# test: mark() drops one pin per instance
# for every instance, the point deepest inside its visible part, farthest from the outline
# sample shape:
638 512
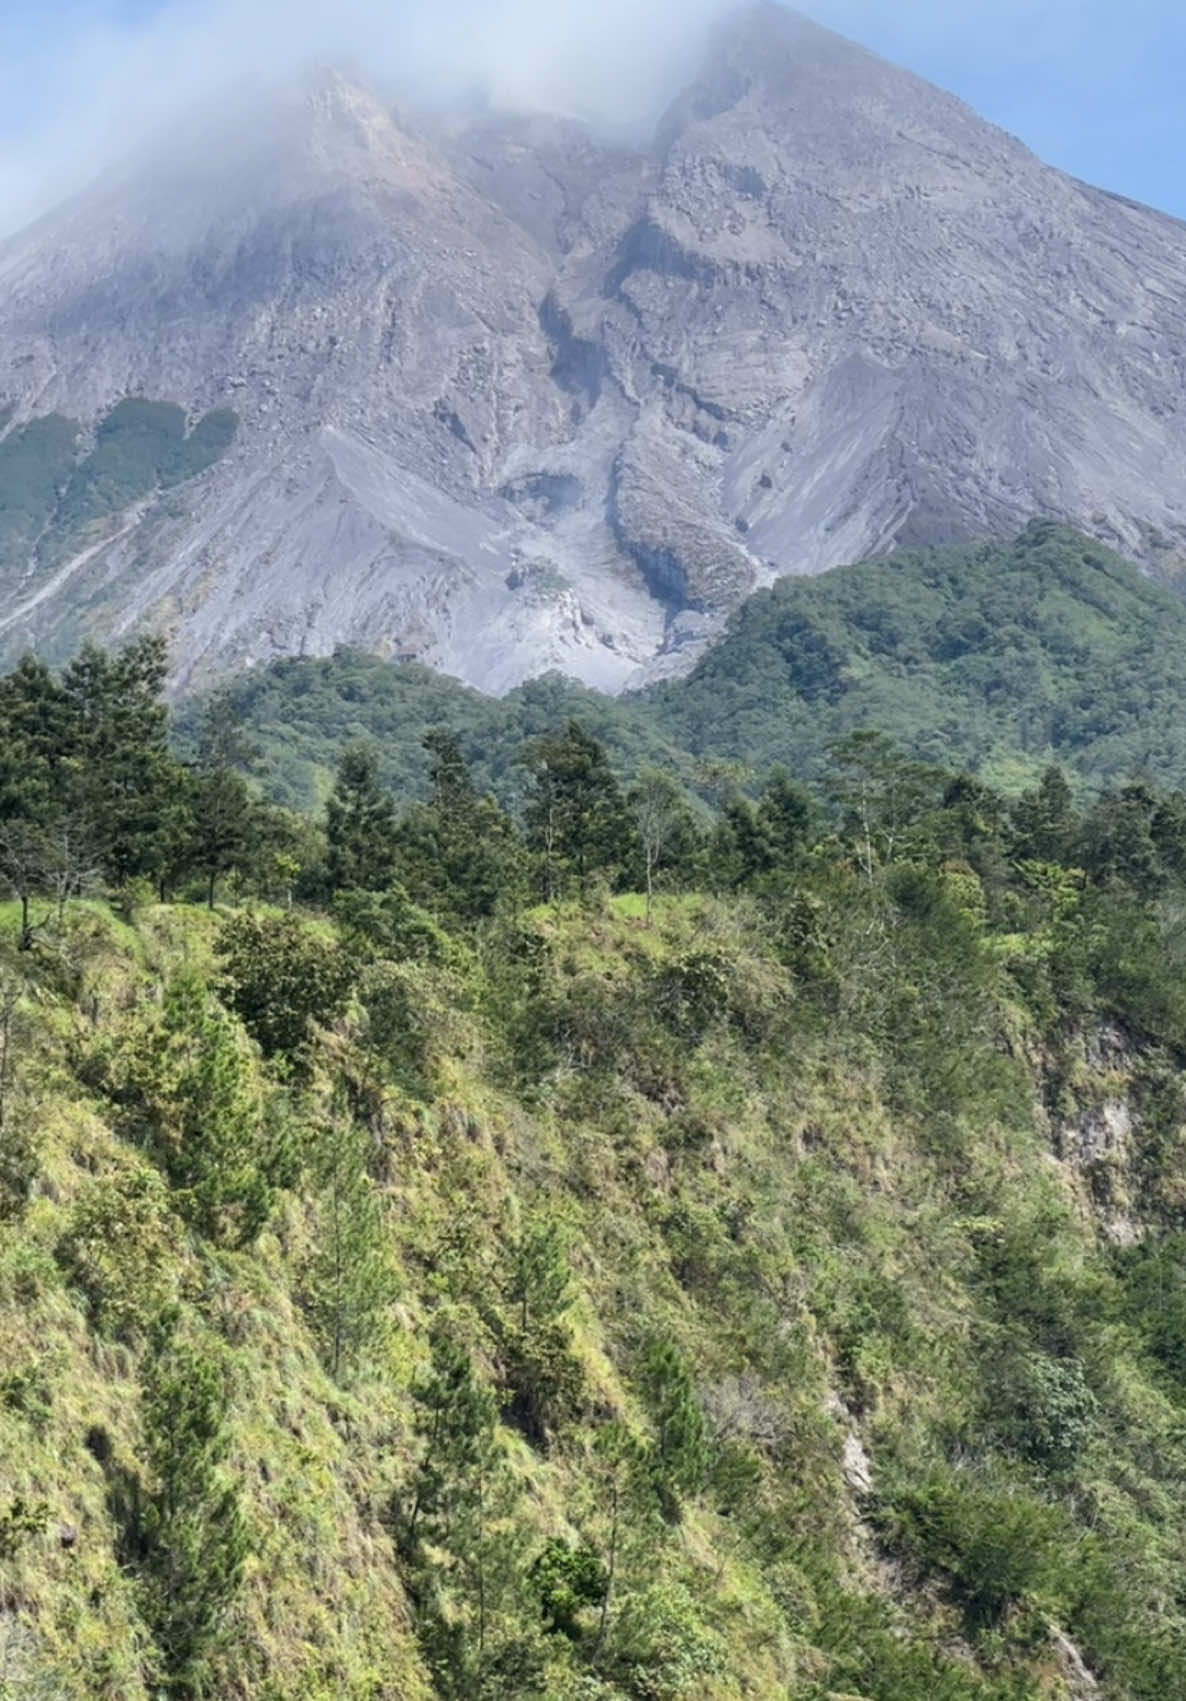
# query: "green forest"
1001 658
589 1226
61 487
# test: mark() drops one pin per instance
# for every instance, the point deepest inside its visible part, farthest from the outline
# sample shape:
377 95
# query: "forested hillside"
1001 658
66 491
599 1253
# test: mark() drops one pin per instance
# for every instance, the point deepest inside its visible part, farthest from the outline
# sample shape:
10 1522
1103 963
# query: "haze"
1091 87
117 81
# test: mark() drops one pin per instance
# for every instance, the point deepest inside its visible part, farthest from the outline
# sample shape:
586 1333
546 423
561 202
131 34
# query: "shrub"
544 1381
662 1649
412 1021
391 924
280 976
567 1580
119 1250
27 1391
693 993
1041 1407
20 1522
995 1544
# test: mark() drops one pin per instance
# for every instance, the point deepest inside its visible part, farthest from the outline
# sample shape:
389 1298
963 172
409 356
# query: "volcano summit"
498 393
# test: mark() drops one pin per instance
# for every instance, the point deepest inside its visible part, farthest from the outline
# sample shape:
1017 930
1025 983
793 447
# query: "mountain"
998 658
509 397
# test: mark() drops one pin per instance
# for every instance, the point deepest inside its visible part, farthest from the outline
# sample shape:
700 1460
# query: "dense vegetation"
601 1252
996 657
298 715
55 487
1000 658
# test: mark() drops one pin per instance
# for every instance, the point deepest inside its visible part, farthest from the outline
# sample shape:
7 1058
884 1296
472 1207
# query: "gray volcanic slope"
511 398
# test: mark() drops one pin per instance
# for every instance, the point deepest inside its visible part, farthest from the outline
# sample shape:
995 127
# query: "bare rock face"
511 398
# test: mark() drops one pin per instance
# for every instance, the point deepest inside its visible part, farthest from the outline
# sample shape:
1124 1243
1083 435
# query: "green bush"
119 1250
281 976
661 1648
28 1392
1040 1407
996 1545
693 993
1153 1277
21 1521
569 1581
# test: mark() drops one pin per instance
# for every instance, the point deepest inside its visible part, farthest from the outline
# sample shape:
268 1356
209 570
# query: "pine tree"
192 1537
185 1087
221 827
453 793
456 1419
679 1458
661 819
350 1283
1045 822
459 853
222 741
785 811
539 1281
124 791
218 1149
625 1502
26 868
359 825
33 745
1116 841
881 794
543 1379
85 761
576 818
459 1538
743 849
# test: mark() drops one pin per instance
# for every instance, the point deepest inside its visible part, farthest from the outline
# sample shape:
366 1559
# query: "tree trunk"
610 1569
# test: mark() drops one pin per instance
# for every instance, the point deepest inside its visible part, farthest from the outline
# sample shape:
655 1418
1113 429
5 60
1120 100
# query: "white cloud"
1045 69
108 86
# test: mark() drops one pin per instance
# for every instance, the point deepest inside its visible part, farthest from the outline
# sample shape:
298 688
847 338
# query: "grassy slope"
322 1612
999 657
773 1193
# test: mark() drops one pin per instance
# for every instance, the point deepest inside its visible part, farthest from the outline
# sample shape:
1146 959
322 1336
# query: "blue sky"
1096 89
1093 88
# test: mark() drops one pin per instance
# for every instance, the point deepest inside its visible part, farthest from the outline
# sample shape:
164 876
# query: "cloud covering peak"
112 78
1090 86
